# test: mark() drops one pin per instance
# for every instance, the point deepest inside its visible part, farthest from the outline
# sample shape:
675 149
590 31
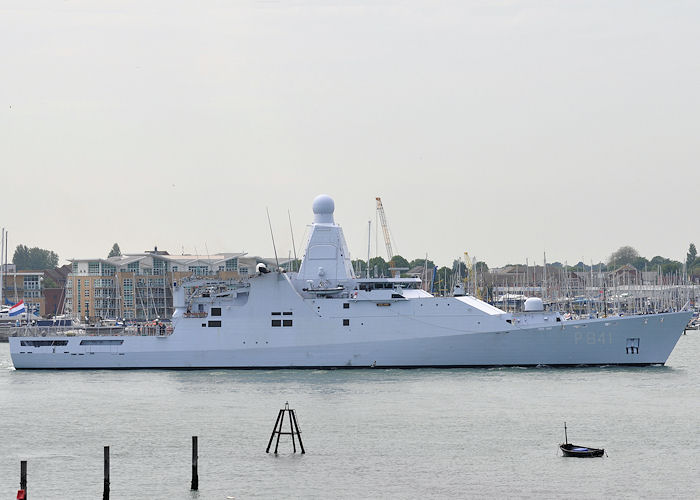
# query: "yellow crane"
471 275
385 228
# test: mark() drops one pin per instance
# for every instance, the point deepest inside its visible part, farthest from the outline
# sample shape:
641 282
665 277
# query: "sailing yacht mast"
2 264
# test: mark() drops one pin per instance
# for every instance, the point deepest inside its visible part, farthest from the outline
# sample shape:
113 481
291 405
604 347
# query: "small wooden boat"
574 450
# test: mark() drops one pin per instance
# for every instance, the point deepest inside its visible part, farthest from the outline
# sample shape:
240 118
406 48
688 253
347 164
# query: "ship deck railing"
161 330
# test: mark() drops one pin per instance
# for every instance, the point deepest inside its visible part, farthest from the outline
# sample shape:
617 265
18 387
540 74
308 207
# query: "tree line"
37 259
628 255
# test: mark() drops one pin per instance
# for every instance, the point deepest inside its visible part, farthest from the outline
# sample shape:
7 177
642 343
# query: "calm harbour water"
429 433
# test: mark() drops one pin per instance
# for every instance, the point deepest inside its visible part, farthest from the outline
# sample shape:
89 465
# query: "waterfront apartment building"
26 286
139 286
42 291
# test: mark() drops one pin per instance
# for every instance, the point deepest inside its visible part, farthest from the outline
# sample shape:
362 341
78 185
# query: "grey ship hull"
570 343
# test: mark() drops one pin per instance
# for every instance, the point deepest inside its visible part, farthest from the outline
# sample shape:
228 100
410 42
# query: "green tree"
443 280
640 263
398 261
360 267
378 267
657 260
421 262
672 266
581 267
481 266
115 251
34 259
49 283
459 267
21 257
691 257
623 255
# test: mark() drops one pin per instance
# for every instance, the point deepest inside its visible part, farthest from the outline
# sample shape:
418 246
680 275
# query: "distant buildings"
132 286
139 286
26 286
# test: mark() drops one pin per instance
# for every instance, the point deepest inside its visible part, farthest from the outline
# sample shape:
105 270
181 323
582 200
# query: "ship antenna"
273 239
369 243
292 233
209 263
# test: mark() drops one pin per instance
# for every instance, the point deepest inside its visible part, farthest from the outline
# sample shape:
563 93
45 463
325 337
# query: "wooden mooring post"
293 430
195 458
22 493
105 492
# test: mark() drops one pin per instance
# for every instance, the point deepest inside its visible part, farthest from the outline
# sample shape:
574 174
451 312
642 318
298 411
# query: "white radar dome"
534 304
323 208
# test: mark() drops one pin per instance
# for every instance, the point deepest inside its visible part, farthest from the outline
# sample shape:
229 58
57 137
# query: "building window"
31 282
286 322
216 311
232 265
133 267
87 292
276 322
346 322
94 268
214 323
198 270
346 305
159 266
174 269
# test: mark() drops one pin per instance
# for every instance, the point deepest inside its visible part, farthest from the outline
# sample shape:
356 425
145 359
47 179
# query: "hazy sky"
499 127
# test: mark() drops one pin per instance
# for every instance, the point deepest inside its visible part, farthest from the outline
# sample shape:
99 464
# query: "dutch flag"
17 309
